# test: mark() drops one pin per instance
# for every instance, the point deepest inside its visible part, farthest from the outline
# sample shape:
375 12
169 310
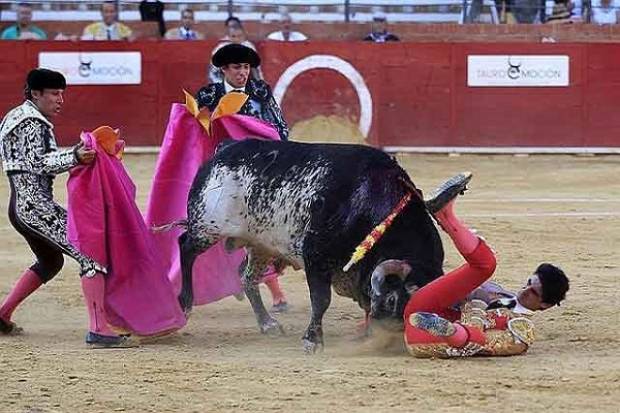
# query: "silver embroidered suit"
31 159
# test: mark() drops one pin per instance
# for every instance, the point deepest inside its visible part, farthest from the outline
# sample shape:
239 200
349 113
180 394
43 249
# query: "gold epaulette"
523 329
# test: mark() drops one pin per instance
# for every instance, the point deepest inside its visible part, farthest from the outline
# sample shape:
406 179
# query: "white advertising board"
95 68
518 70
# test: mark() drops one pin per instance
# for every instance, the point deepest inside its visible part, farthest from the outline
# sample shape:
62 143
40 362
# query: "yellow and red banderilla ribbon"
377 232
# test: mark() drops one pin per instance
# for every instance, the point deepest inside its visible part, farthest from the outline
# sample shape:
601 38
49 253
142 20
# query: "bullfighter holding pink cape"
104 222
191 139
143 281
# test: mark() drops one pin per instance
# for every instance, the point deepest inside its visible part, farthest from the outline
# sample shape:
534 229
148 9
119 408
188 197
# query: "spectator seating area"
320 19
423 11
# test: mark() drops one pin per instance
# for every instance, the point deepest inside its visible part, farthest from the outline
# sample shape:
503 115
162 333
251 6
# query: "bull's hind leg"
190 249
319 284
254 269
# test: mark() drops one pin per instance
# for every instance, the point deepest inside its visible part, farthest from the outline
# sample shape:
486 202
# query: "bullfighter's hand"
83 155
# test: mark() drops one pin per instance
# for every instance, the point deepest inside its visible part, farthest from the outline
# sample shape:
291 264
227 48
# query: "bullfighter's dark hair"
39 79
554 283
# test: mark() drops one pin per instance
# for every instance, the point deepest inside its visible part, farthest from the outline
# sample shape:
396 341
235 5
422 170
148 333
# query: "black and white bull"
311 205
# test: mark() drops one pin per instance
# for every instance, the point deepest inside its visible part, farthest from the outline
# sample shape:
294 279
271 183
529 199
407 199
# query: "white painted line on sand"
572 214
538 200
503 149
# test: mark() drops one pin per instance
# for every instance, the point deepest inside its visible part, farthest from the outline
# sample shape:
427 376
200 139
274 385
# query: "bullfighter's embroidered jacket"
31 159
507 332
260 104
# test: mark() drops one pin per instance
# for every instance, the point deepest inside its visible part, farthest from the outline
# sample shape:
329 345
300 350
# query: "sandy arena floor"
562 209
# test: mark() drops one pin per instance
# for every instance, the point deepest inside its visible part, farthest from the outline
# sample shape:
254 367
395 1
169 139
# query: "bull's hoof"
310 347
271 327
186 305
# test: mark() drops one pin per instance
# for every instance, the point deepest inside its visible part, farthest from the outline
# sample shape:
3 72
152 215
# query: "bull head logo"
85 68
514 70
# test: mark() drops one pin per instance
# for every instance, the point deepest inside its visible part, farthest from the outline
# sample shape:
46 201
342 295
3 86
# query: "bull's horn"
396 267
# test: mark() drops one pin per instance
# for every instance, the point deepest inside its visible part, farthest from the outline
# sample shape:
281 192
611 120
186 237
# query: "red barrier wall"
419 92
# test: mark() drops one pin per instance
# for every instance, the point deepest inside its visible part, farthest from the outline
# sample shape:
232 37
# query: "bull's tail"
181 223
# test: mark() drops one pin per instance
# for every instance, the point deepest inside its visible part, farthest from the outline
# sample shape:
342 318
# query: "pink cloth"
185 147
241 127
105 224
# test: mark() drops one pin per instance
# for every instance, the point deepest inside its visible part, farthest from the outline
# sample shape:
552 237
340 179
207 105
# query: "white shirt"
602 15
493 289
519 309
293 36
229 88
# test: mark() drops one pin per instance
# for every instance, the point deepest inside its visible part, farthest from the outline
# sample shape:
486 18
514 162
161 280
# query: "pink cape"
105 224
185 147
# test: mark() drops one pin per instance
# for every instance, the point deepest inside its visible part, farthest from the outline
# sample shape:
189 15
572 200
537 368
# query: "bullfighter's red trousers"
441 295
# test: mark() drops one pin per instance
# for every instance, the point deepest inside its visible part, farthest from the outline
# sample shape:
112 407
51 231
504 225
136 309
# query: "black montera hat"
39 79
235 53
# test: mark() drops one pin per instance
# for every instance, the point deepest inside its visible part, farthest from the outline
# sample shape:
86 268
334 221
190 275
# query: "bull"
310 205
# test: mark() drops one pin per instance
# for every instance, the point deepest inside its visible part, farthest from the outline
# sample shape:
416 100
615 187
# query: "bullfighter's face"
48 101
531 295
237 74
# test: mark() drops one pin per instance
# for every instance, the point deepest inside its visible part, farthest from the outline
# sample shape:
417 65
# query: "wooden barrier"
418 91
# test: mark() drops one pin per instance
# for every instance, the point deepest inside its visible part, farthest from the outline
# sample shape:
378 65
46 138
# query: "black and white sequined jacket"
27 143
261 103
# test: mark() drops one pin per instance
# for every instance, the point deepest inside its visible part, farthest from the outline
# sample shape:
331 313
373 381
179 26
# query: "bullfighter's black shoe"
9 328
94 340
432 324
447 191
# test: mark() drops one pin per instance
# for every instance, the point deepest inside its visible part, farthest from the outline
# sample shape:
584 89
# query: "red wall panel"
419 92
525 116
602 96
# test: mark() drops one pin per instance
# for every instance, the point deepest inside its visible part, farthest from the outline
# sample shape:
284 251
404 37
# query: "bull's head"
389 292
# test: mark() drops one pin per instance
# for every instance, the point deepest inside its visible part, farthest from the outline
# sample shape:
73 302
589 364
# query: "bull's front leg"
319 284
190 249
254 269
